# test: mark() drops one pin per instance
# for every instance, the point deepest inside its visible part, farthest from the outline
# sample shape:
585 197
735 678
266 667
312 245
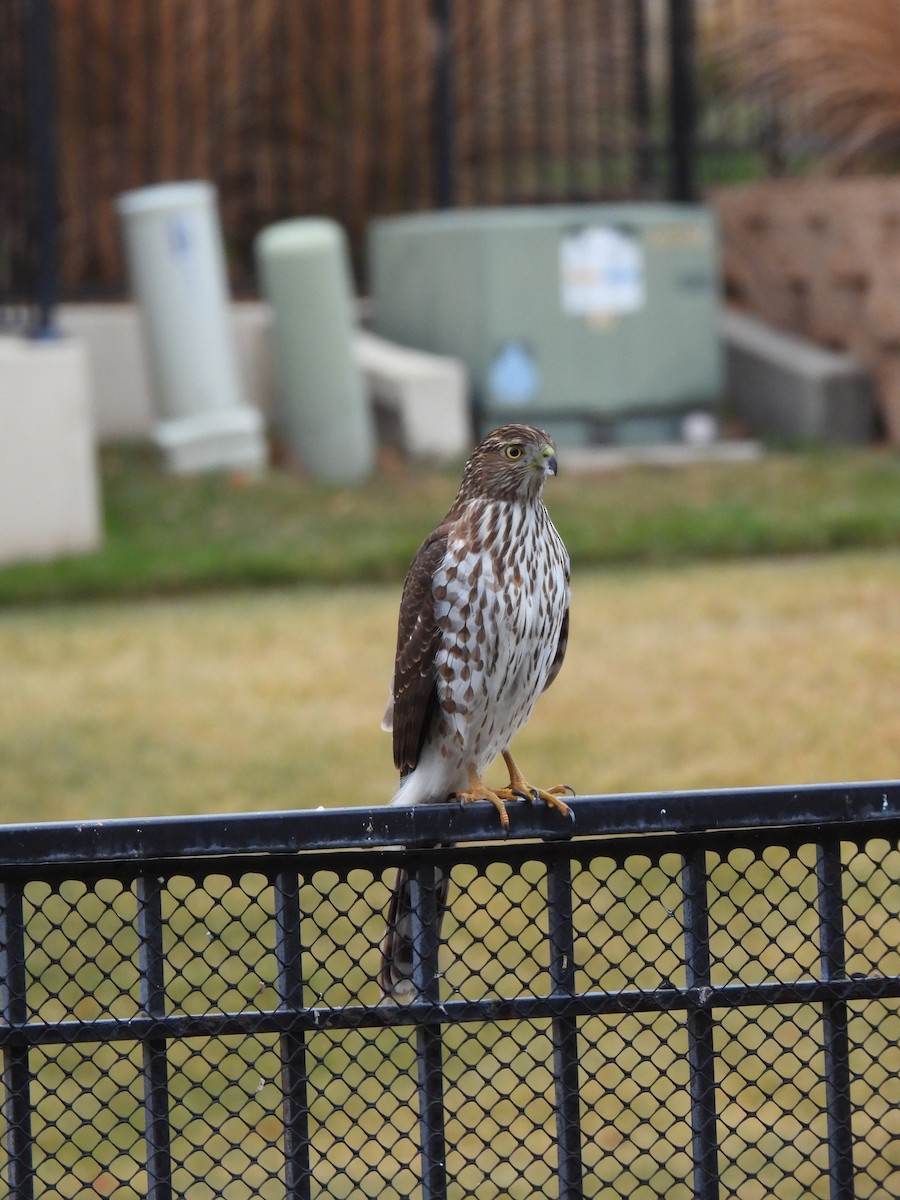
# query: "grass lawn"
168 536
736 673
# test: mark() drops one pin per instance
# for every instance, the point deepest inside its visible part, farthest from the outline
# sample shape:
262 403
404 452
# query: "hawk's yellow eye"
513 453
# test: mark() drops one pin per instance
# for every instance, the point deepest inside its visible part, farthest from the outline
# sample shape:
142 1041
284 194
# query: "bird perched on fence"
484 620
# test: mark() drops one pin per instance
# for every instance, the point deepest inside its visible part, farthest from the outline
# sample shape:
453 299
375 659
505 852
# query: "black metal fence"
348 108
29 212
683 995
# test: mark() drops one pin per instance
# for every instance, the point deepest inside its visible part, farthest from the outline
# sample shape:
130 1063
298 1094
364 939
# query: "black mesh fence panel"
672 1013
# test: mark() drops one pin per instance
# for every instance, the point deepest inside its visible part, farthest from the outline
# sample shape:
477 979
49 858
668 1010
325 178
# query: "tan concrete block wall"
821 258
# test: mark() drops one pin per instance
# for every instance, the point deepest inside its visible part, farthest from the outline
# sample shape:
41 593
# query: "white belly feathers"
500 625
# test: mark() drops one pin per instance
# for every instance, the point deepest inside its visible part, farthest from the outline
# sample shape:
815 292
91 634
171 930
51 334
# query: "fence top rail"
832 805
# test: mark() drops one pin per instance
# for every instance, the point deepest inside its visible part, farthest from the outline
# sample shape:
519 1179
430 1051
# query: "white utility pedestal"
176 263
324 412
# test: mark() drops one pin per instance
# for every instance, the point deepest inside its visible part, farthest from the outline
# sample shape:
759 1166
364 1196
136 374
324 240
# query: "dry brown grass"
741 674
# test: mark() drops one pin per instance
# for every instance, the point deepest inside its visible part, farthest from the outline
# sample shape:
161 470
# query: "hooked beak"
545 461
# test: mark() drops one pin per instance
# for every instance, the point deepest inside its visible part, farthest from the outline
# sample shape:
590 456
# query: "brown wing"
563 641
560 651
414 691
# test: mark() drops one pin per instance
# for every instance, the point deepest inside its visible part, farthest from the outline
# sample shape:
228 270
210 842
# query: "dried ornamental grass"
834 61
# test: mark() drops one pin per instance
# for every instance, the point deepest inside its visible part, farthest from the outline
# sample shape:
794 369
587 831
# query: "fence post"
701 1052
152 959
565 1029
834 1022
40 69
294 1075
16 1070
444 149
424 889
682 105
640 103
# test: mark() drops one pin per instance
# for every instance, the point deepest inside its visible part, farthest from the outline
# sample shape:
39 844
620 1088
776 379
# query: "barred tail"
396 974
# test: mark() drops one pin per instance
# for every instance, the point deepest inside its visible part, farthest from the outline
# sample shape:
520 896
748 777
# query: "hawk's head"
511 463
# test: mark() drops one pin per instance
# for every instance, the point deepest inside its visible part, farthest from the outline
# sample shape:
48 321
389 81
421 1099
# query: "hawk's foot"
477 791
521 788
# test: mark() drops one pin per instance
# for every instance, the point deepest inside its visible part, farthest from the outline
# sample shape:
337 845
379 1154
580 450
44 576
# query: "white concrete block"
225 439
49 491
428 393
251 325
121 400
121 397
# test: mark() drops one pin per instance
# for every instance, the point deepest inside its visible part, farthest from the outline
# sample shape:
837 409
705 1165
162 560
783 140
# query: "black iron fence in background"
29 208
348 108
682 995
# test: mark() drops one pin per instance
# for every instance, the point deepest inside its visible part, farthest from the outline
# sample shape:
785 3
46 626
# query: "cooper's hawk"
484 619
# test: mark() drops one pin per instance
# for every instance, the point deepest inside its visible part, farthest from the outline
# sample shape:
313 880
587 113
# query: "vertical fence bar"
834 1022
682 102
701 1052
566 1076
294 1079
151 952
640 98
41 75
16 1069
425 886
444 136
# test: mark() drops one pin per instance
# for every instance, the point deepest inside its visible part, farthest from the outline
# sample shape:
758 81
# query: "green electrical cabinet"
599 321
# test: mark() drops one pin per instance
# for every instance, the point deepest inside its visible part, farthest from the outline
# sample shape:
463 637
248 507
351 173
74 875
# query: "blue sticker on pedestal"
514 377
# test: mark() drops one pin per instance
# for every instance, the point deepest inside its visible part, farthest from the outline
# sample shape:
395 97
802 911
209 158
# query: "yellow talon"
519 786
519 789
477 791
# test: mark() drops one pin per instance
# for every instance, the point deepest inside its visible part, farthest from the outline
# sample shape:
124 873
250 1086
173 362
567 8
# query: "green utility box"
599 321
